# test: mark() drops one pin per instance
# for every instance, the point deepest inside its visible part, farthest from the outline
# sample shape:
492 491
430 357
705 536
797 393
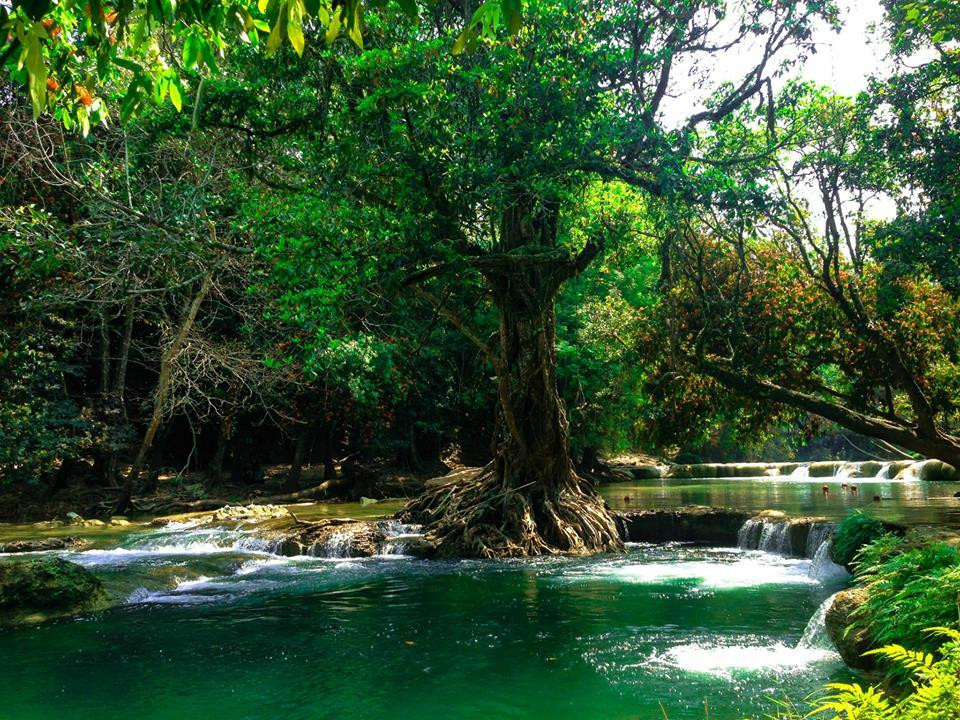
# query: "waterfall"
823 568
748 537
815 634
802 472
774 538
397 537
338 545
843 473
883 471
819 532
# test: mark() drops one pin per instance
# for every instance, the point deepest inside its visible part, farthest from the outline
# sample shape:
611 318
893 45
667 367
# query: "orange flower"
52 85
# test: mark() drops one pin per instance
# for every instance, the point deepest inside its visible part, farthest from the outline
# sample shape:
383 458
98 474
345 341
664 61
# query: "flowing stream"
216 626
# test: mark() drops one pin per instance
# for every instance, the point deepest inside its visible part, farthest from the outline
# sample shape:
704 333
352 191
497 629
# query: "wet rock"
643 471
687 524
93 523
42 545
73 518
420 547
38 589
935 471
48 524
854 643
118 521
335 537
231 513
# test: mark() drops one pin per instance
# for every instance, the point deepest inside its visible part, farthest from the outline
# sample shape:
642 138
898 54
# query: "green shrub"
853 532
909 588
935 686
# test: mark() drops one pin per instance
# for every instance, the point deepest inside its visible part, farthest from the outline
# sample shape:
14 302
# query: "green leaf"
175 97
279 31
333 29
295 25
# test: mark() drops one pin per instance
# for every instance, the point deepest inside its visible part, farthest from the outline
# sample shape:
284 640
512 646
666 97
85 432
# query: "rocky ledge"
693 523
43 545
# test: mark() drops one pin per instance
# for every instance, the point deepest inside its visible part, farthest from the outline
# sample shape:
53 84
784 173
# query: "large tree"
476 167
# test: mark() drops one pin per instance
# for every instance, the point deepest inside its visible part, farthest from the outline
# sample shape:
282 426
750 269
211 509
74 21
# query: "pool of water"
213 628
906 501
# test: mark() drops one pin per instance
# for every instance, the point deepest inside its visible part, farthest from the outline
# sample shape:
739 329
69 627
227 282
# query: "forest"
326 316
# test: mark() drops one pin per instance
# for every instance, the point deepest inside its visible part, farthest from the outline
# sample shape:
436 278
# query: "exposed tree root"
485 517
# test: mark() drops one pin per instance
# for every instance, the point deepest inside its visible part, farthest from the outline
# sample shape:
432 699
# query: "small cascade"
748 537
397 537
819 533
774 538
844 472
884 472
802 472
823 568
338 545
815 634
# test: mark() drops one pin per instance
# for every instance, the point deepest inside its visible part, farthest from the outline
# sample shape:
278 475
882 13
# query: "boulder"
851 643
334 537
718 526
42 545
73 518
643 471
118 521
935 471
42 588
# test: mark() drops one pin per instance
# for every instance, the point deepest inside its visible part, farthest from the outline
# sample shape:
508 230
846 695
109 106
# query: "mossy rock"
851 643
38 589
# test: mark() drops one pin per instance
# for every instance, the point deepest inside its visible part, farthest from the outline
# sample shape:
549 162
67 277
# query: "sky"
843 60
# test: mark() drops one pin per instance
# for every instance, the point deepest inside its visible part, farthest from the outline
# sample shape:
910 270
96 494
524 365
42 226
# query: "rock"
232 513
688 524
642 472
335 537
93 523
826 468
73 518
420 547
935 471
118 521
42 545
48 524
853 644
368 501
38 589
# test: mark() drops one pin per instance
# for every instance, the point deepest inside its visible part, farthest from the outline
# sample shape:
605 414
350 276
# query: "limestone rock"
41 545
851 645
231 513
687 524
37 589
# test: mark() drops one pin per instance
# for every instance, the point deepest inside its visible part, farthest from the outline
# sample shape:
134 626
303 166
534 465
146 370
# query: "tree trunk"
164 382
292 482
529 500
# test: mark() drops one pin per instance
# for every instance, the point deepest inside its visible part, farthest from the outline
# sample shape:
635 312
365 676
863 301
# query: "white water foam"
726 660
750 570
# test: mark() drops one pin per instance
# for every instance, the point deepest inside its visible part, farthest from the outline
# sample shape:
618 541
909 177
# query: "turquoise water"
911 502
213 628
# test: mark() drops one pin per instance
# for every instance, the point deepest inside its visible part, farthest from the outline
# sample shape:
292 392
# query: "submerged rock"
687 524
38 589
852 643
43 544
